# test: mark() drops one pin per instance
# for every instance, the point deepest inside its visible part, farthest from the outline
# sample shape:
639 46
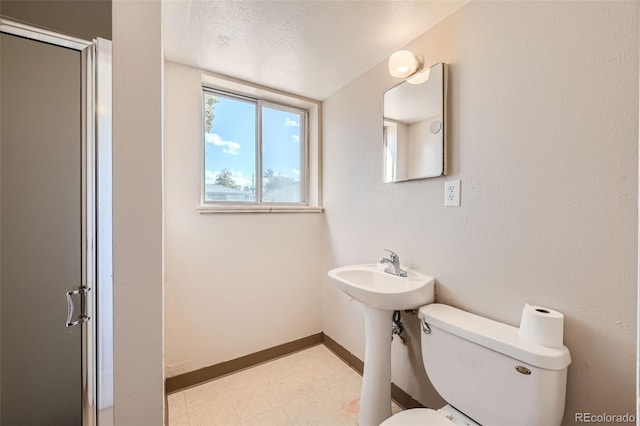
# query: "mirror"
415 142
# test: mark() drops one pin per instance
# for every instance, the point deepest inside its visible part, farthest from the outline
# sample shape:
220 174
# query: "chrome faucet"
394 265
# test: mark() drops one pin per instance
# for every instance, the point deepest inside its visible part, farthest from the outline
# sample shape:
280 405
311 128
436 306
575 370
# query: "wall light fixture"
403 64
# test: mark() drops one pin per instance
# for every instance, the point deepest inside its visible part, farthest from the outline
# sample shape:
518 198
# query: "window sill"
207 209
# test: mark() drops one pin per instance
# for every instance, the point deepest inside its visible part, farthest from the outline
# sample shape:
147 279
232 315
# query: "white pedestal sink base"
375 399
380 293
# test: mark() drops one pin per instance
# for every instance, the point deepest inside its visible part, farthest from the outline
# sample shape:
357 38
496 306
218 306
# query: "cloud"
210 176
241 179
228 147
295 173
288 122
295 138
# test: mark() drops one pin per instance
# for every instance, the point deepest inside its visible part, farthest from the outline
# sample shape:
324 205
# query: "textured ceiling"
308 47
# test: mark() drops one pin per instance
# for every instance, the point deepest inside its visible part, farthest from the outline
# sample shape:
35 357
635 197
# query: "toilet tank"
484 369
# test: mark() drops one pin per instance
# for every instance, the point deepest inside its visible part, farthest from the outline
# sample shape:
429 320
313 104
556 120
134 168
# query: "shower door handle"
83 306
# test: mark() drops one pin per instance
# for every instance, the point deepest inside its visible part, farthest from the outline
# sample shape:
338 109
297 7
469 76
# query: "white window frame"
310 178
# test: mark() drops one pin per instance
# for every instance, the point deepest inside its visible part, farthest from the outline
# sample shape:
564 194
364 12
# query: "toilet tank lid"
494 335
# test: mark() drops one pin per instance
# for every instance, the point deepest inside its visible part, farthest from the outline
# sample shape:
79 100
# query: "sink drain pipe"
397 327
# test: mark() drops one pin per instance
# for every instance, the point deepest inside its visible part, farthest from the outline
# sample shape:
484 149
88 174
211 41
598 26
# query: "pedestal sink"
381 293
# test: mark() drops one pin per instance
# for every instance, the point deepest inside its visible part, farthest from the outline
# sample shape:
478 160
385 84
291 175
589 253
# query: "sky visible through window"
231 147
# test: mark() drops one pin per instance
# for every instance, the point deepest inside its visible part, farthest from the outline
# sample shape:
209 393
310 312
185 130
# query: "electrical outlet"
452 193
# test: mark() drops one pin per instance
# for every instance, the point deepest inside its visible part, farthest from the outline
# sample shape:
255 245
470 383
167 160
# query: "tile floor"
310 387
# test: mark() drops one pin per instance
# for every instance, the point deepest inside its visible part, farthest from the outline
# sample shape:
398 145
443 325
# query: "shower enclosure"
56 356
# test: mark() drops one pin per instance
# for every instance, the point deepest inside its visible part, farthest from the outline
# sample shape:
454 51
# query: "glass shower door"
41 233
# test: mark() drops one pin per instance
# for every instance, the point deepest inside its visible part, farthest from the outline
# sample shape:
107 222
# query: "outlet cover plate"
452 193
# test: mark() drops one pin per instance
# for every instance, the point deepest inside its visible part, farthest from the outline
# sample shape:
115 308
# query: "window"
255 151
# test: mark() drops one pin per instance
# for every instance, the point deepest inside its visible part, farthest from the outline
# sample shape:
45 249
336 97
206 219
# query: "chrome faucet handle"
392 255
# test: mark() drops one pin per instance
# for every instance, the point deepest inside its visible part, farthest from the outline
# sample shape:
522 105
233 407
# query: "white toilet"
487 373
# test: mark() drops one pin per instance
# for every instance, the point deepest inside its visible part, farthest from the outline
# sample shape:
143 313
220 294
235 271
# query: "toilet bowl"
487 372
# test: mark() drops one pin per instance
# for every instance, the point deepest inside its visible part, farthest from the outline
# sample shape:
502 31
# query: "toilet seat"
418 417
446 416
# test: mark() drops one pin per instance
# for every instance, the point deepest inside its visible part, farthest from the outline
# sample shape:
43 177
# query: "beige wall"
235 283
137 213
79 18
543 129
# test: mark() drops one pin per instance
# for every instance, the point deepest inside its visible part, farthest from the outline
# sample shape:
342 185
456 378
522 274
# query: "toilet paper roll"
542 326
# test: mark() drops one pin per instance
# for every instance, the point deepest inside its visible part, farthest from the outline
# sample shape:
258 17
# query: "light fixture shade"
402 64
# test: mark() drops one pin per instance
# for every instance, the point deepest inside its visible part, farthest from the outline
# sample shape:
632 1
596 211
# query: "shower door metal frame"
96 261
